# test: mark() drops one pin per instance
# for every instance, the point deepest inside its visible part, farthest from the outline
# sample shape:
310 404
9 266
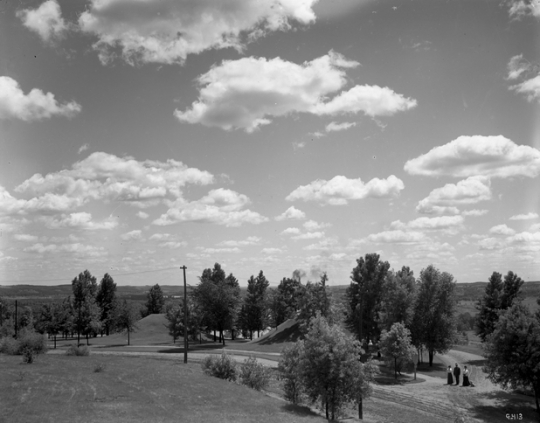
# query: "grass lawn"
58 388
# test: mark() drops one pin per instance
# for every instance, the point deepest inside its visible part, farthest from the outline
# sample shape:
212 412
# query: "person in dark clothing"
457 372
450 379
466 377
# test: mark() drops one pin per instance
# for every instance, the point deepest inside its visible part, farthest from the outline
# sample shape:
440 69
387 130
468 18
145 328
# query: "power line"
64 279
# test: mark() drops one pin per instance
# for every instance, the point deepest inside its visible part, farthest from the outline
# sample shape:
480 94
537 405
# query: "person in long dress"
466 377
449 379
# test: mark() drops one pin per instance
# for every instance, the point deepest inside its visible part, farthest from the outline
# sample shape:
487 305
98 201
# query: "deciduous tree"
284 300
364 297
398 298
315 298
396 345
512 351
106 300
155 300
498 296
126 317
218 297
332 373
86 316
434 321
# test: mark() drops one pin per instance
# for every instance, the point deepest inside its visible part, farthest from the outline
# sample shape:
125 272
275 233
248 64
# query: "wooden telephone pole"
186 344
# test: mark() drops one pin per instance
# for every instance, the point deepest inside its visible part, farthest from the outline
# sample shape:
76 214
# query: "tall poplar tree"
364 297
106 300
434 315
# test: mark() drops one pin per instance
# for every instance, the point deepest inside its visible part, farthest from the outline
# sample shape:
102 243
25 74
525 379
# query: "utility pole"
16 319
186 344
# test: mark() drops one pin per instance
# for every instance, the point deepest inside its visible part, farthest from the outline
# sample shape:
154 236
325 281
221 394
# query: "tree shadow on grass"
299 410
505 403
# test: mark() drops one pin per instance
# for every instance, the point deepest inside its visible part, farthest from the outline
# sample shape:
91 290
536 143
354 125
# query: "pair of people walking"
457 372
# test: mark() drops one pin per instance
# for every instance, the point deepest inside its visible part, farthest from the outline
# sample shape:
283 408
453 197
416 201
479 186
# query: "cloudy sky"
137 136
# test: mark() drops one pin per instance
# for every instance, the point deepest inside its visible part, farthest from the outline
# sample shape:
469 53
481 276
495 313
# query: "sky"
138 136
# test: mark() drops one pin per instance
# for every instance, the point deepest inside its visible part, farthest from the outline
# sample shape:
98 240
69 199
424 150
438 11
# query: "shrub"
290 372
82 350
100 367
223 367
27 341
32 341
28 355
254 374
9 346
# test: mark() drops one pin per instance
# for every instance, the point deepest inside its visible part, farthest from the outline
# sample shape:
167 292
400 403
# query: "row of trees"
91 309
378 298
216 304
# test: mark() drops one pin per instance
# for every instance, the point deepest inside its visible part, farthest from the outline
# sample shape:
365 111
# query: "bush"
28 355
223 367
27 341
82 350
100 367
254 374
9 346
290 372
32 341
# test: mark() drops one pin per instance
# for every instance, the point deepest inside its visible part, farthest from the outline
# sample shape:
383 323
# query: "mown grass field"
58 388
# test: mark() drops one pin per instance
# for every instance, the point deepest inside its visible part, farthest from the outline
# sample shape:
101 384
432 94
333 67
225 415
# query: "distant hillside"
59 292
465 291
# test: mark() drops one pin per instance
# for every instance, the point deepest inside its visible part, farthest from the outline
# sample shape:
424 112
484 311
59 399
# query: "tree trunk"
395 368
55 345
200 337
128 338
87 340
214 335
360 409
327 415
536 395
251 334
431 354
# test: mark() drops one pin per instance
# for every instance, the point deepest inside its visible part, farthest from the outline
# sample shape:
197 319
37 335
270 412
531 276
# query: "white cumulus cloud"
490 156
334 126
291 213
36 105
309 235
290 231
397 237
46 20
525 216
521 8
475 212
340 189
445 223
81 220
246 93
220 206
167 31
132 235
501 230
469 191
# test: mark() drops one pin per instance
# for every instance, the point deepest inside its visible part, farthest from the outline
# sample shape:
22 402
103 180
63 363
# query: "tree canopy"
155 300
512 350
364 297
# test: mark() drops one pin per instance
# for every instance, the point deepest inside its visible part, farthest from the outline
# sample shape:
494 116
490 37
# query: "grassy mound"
152 330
